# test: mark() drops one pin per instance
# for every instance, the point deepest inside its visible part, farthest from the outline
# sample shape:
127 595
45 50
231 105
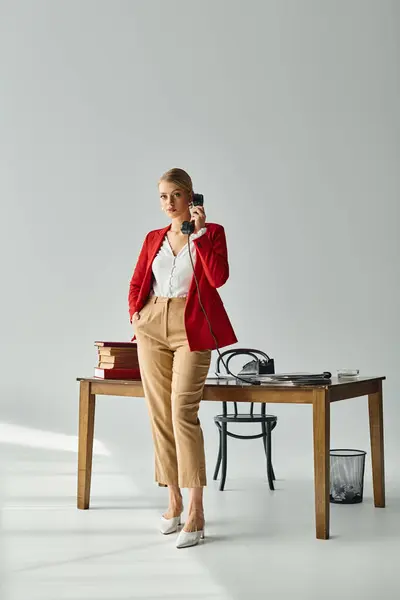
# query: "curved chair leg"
217 466
266 429
270 454
269 447
270 457
224 456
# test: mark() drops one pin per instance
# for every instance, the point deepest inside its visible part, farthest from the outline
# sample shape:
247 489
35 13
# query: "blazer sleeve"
137 278
214 257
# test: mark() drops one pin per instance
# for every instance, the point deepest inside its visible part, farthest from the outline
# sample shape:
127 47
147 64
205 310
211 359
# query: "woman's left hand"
199 217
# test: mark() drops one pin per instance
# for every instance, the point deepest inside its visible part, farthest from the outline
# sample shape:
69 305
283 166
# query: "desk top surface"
233 383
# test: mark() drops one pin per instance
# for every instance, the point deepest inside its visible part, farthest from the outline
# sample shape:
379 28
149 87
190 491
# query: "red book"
116 344
117 352
117 373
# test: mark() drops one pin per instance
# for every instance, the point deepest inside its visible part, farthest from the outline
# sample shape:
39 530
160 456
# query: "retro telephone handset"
187 228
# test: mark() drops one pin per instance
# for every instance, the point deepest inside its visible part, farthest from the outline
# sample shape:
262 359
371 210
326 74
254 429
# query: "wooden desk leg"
321 419
87 403
375 405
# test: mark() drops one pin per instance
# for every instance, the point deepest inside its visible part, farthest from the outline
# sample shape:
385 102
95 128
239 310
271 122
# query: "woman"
175 342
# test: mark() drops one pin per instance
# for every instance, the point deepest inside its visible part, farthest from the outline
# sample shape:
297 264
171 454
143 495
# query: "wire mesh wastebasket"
347 476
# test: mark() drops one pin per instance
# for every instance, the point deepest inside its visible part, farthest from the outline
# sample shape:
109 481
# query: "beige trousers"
173 379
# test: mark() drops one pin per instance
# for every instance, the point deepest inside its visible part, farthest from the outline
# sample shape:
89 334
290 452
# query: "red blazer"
212 271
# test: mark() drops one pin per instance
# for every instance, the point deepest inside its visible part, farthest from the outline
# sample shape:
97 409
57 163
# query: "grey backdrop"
286 113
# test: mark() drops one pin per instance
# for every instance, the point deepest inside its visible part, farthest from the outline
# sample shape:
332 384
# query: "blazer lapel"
156 245
153 249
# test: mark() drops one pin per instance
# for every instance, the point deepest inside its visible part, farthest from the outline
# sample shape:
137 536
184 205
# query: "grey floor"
258 544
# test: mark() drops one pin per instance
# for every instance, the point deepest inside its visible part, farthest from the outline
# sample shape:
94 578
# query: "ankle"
175 494
196 510
175 499
175 505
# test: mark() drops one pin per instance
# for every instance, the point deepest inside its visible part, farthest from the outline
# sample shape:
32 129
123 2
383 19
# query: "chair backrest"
224 359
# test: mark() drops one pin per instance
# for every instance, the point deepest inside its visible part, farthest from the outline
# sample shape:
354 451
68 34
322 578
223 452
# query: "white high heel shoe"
189 538
168 526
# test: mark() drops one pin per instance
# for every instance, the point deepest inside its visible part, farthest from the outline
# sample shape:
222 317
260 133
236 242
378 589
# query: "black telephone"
188 226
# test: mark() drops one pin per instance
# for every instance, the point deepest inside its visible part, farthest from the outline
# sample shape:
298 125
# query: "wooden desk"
320 397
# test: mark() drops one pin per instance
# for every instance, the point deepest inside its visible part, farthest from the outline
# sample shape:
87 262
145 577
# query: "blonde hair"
180 178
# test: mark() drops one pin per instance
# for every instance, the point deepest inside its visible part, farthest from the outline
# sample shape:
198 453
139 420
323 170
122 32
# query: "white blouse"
172 275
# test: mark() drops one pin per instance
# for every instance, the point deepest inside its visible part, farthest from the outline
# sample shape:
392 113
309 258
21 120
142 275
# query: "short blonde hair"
180 178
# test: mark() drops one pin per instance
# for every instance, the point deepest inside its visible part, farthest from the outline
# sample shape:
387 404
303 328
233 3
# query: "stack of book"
117 360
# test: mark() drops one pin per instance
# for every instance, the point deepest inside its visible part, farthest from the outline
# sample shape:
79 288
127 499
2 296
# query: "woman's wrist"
198 234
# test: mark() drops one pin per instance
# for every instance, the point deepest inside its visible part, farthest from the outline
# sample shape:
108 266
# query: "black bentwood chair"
268 422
